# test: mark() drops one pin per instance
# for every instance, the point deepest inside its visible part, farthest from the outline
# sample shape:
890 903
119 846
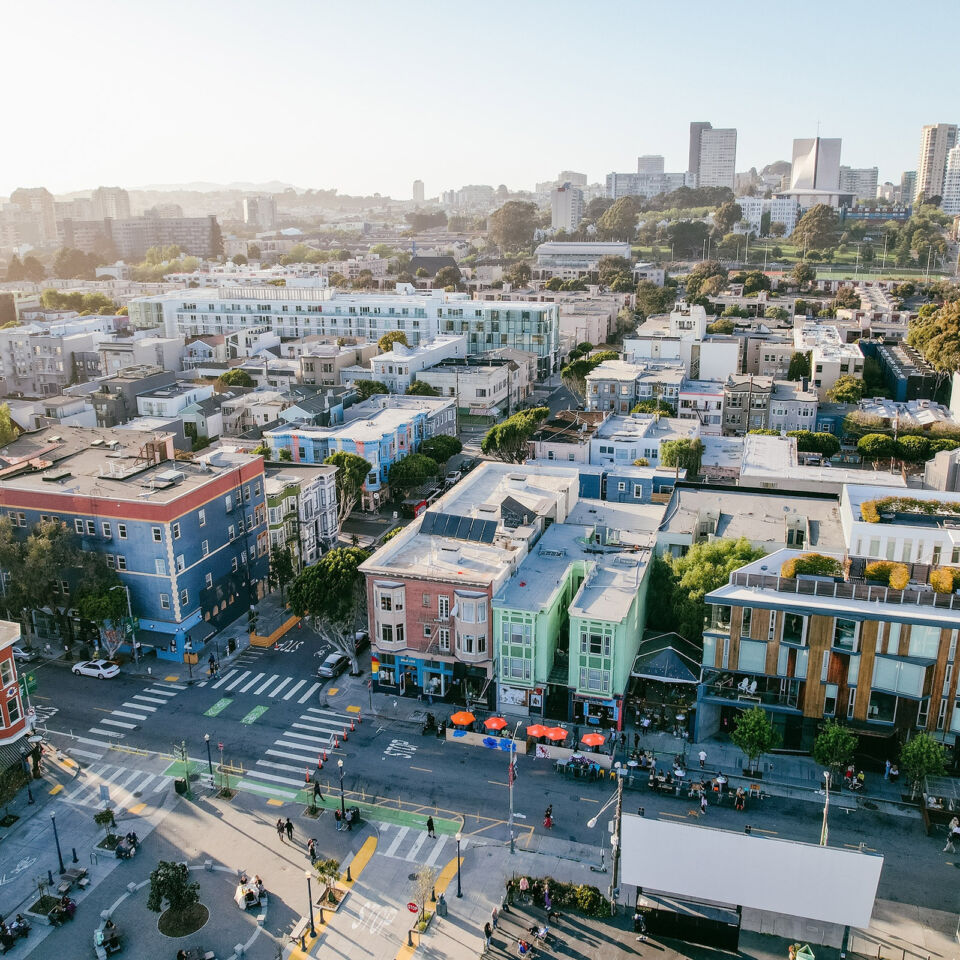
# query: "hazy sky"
366 96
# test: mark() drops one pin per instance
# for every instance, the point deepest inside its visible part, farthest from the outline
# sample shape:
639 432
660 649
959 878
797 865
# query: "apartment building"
189 539
132 237
401 365
617 386
936 142
746 404
297 312
115 397
717 162
792 407
118 353
756 210
323 363
484 389
40 361
571 260
768 354
951 183
640 436
170 401
252 411
382 430
14 720
430 589
860 181
830 357
645 184
302 510
566 207
702 401
566 437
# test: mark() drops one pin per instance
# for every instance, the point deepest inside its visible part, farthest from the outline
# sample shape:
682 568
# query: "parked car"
21 655
101 669
452 477
333 666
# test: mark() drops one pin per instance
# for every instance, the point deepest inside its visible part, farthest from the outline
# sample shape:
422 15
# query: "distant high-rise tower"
696 130
566 207
816 164
572 177
713 155
650 164
418 191
908 186
37 207
951 184
860 181
112 202
936 141
260 212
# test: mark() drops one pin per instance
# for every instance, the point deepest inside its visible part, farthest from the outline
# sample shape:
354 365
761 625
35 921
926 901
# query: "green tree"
826 444
803 274
331 593
170 883
512 226
725 216
817 229
777 229
411 471
352 473
508 439
441 447
722 326
684 454
100 600
32 269
655 406
15 269
912 449
447 277
921 757
367 388
776 313
876 446
935 333
687 237
8 429
652 299
847 389
328 872
754 281
420 388
281 569
520 274
619 221
386 342
240 259
253 251
284 455
235 378
754 734
706 278
834 747
574 374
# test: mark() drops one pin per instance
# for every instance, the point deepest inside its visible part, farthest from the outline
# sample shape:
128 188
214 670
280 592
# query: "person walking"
339 818
288 826
317 795
702 756
953 834
494 917
886 770
430 830
703 803
312 849
487 934
280 829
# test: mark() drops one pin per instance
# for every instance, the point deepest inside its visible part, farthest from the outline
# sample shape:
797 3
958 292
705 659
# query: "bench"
934 817
299 932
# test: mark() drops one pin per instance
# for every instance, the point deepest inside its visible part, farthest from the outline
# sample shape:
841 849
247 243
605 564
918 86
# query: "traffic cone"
306 776
324 756
359 718
344 734
352 727
319 762
336 742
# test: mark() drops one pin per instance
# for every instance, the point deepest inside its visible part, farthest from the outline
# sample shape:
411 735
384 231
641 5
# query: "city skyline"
185 123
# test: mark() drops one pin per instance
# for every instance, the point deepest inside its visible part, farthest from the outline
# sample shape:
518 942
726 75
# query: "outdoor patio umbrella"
536 731
462 718
556 733
494 723
593 739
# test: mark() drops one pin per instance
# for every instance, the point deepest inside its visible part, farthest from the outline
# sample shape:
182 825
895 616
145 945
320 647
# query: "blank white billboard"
782 876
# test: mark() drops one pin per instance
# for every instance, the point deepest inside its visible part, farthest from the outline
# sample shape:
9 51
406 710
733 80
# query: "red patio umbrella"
556 733
537 731
462 718
593 739
494 723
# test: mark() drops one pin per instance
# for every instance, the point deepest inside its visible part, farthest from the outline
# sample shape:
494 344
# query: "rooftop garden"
811 564
872 510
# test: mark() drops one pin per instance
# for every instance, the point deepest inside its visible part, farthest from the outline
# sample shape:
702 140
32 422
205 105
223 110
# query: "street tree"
619 222
100 600
826 444
8 429
424 880
876 447
834 747
235 378
706 278
847 389
684 454
170 883
411 471
913 449
352 473
921 757
574 374
754 734
331 593
803 274
936 335
799 365
367 388
281 569
520 274
512 226
725 216
449 276
420 388
817 229
441 447
652 299
386 342
328 873
508 439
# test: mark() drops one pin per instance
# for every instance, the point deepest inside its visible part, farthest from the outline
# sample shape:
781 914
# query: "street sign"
28 683
220 746
413 908
374 665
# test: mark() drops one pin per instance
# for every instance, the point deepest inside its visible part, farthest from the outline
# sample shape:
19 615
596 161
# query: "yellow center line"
761 830
679 816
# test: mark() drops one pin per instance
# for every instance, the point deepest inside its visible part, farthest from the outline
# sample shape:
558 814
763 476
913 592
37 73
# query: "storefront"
520 701
410 677
595 712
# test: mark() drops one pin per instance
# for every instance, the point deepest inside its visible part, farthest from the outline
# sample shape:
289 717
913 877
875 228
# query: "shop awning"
668 658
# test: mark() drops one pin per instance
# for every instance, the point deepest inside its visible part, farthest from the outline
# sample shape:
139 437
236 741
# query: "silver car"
333 666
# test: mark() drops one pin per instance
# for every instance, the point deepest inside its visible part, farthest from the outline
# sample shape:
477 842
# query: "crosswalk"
413 845
263 684
130 790
128 716
284 767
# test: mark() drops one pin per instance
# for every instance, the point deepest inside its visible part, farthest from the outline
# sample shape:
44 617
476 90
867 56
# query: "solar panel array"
459 528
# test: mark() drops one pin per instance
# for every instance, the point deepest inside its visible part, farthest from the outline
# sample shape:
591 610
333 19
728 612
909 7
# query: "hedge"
586 900
945 579
870 510
811 563
895 575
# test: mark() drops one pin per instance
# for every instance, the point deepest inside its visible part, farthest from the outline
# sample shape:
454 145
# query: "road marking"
497 783
85 753
105 733
265 790
278 766
588 800
353 709
224 679
254 715
160 692
679 816
397 841
178 686
218 707
129 716
265 684
421 769
333 691
296 737
278 779
243 676
139 706
172 678
139 696
415 849
279 687
258 677
56 789
432 859
294 689
94 743
309 693
286 756
274 803
772 833
137 808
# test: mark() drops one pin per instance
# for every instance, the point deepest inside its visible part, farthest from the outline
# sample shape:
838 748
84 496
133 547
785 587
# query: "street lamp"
614 840
56 837
313 932
133 632
206 739
27 773
343 805
459 888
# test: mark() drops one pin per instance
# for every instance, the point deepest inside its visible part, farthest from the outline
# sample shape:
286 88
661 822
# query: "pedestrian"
339 818
494 917
430 830
487 934
280 829
312 849
212 664
317 795
702 755
886 770
703 803
288 826
953 834
547 901
640 927
636 742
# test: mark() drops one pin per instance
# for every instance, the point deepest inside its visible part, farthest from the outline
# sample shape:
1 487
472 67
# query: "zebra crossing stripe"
77 752
397 841
260 689
274 777
277 766
435 853
139 696
161 692
306 736
294 689
415 849
178 686
243 676
309 693
224 679
119 723
256 679
139 706
105 733
129 716
279 687
267 791
289 756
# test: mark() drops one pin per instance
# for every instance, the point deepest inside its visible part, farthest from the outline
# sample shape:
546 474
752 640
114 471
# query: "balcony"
745 690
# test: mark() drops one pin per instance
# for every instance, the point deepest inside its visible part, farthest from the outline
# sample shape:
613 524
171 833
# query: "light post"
511 776
206 740
56 837
133 632
459 888
826 807
343 805
28 773
313 931
614 840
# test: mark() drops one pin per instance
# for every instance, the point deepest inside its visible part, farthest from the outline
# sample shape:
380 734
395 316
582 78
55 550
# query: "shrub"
870 510
945 579
892 574
814 564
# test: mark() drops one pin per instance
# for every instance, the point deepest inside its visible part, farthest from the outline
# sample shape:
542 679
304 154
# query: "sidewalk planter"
485 740
423 924
340 893
42 914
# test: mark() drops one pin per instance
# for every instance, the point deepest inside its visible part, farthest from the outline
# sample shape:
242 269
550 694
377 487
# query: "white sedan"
101 669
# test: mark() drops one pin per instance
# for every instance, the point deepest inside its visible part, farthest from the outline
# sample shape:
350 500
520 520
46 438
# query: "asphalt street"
275 718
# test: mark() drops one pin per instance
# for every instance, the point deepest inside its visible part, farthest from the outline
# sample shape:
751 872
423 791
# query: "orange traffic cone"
352 727
324 756
306 776
336 742
344 734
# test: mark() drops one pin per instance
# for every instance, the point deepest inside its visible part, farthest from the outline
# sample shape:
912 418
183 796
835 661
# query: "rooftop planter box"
873 511
945 579
811 564
888 574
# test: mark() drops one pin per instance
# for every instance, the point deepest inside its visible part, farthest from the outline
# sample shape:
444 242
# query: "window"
845 634
594 679
924 642
386 633
91 528
111 561
830 700
122 531
121 563
204 547
13 709
233 564
443 607
425 600
443 638
386 601
105 529
794 628
426 630
202 517
621 486
184 596
78 526
164 601
516 668
160 566
746 621
596 643
246 493
228 503
256 489
180 563
208 580
176 531
157 534
231 532
6 673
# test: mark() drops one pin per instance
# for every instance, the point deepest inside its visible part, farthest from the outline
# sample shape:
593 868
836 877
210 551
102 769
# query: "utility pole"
511 776
615 843
826 807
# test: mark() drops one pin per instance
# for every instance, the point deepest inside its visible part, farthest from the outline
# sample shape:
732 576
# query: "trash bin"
180 785
441 906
